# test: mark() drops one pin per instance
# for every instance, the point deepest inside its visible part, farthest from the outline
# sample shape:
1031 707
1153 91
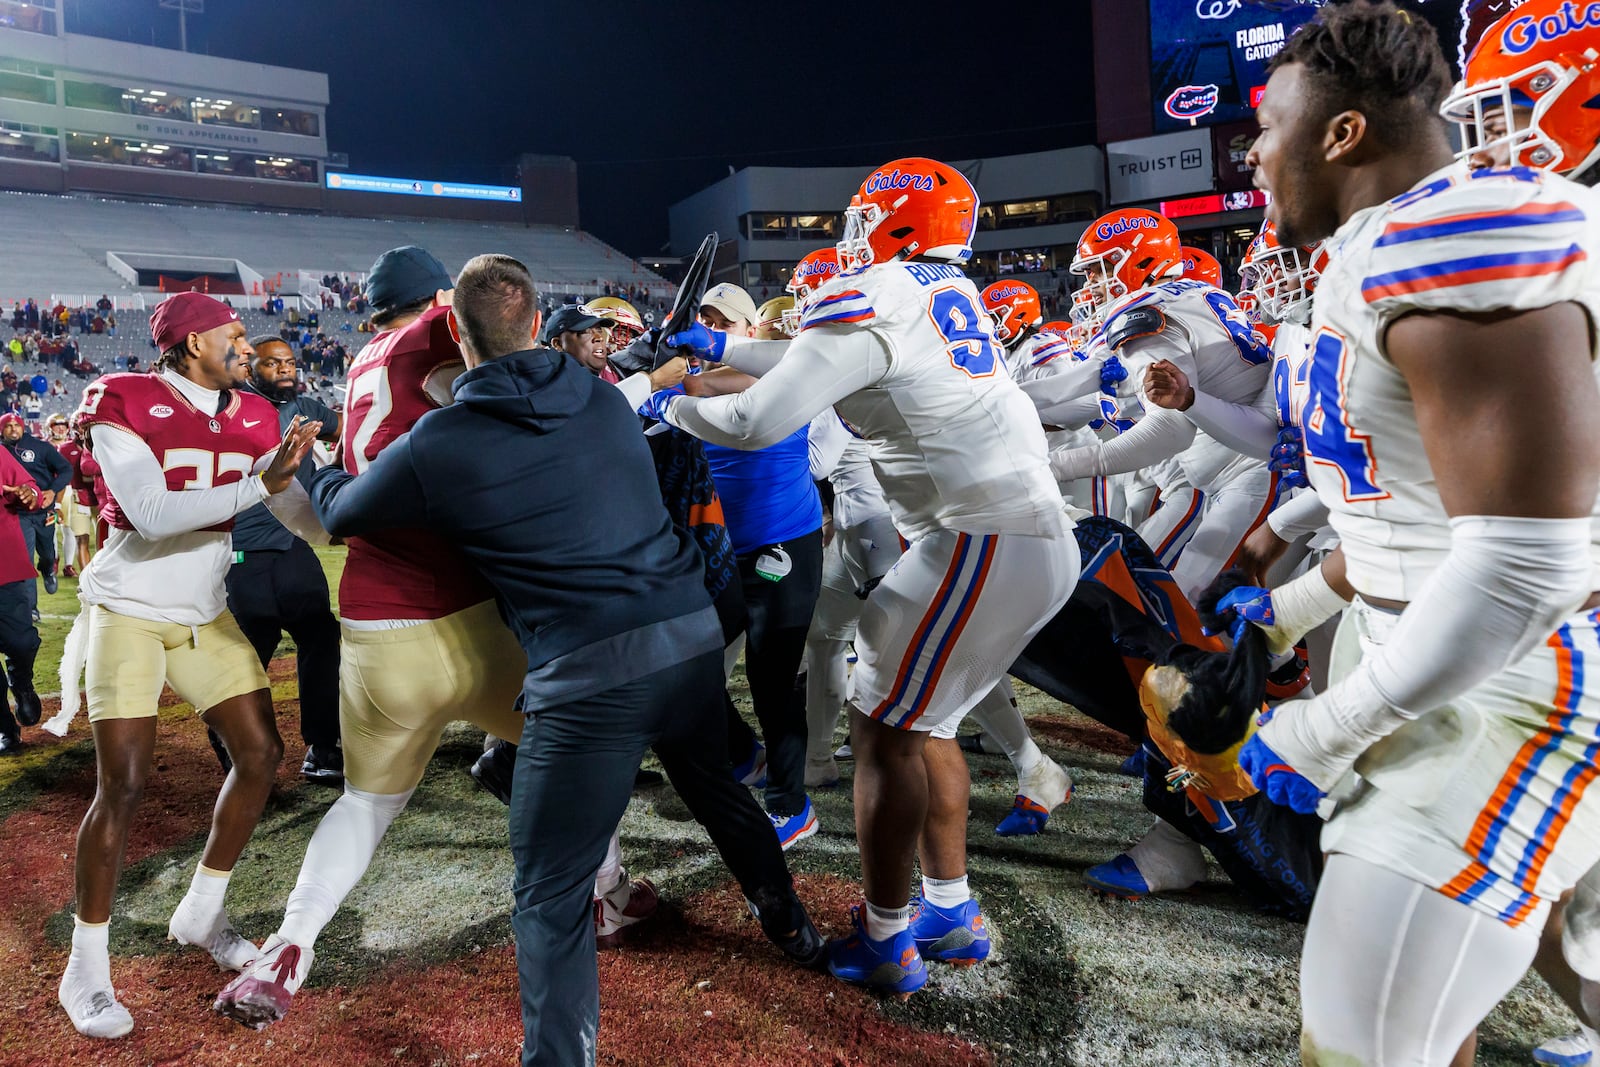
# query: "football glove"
655 405
1249 604
1282 784
701 341
1111 372
1288 458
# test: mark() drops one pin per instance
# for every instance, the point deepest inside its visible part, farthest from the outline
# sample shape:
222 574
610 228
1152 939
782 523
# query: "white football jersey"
1514 239
1291 371
956 445
857 496
1204 333
1038 357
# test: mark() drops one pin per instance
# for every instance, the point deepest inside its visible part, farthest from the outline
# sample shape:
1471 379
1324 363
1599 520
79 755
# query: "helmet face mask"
1125 251
1282 279
629 326
815 270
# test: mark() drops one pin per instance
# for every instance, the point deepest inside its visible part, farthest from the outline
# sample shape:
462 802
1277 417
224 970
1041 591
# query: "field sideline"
418 967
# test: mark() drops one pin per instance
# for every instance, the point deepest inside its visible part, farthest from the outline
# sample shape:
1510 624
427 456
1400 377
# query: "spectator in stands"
31 314
111 325
19 320
16 348
103 305
58 388
52 473
133 364
276 583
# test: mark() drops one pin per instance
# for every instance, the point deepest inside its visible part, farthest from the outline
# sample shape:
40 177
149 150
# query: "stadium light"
184 8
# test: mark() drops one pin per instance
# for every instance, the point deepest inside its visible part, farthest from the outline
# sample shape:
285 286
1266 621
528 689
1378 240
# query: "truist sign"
1155 168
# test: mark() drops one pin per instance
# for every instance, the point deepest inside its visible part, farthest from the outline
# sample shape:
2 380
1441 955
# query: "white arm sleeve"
1073 414
1160 435
1505 585
1301 514
1250 431
135 478
826 441
292 507
1074 382
823 366
751 356
635 389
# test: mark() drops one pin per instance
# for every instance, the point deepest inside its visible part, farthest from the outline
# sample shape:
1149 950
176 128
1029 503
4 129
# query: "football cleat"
1120 878
494 769
889 966
844 751
1133 766
632 901
957 936
94 1009
29 708
323 765
753 771
1043 788
261 995
801 942
794 828
1571 1050
231 951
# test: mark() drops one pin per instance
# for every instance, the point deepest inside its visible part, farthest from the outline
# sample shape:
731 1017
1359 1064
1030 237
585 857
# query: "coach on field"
608 601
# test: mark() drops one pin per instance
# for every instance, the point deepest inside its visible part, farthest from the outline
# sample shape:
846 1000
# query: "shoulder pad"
1142 321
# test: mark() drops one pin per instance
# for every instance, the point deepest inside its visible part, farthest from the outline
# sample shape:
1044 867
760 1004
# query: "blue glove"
1279 781
1249 604
655 405
1288 457
1111 372
703 342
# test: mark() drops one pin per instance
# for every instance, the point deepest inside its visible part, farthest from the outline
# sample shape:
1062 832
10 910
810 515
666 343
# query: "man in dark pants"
608 601
19 640
51 471
276 582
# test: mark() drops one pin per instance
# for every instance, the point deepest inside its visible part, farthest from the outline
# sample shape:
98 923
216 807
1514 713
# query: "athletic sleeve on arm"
821 367
635 389
1066 389
385 496
753 357
135 478
1250 431
1160 435
826 440
1301 514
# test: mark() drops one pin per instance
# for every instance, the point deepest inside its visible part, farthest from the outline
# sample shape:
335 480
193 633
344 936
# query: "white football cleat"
231 951
1571 1050
633 900
94 1008
262 993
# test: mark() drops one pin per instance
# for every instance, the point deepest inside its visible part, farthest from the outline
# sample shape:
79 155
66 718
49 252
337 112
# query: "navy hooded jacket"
539 473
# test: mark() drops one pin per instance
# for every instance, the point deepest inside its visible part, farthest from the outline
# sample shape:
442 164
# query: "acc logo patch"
161 411
1189 102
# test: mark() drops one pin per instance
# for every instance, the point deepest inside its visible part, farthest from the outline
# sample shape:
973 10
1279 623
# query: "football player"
177 448
422 641
900 347
1133 261
1457 740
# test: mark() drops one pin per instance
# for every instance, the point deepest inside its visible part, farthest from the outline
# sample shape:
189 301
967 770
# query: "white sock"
1167 859
997 713
826 680
611 873
206 891
1278 660
90 960
339 854
884 923
946 892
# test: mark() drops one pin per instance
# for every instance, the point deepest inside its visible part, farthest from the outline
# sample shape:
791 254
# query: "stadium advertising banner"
1208 58
367 183
1152 168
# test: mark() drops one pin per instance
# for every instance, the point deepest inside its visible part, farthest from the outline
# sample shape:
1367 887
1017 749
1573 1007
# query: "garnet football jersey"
402 574
177 578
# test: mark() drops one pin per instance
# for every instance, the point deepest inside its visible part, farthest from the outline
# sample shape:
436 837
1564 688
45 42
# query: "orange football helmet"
1542 59
909 207
1058 326
1201 265
1124 251
1014 306
1282 279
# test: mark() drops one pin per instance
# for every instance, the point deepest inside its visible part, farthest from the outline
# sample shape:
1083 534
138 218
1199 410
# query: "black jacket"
41 460
540 474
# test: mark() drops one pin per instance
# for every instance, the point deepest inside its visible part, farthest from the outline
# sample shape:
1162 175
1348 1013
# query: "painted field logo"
1189 102
897 179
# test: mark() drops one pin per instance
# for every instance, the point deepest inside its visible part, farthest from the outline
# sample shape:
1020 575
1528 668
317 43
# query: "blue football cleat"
956 936
1133 766
753 771
1026 818
796 827
1119 878
889 966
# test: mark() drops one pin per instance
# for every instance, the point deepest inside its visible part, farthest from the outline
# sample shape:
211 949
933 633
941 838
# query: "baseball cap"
732 301
186 313
571 318
405 275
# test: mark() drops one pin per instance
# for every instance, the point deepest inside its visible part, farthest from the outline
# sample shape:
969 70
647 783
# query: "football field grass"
417 968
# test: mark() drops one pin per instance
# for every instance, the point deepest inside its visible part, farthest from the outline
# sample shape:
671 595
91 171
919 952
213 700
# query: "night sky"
654 100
